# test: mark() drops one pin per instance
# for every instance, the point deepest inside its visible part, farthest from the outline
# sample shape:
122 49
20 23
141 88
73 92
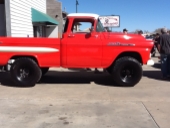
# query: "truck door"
84 48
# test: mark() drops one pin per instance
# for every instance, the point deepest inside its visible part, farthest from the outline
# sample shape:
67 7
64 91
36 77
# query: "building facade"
54 9
26 18
2 19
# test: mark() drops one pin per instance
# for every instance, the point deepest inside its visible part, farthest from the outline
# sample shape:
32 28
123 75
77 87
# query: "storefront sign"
110 21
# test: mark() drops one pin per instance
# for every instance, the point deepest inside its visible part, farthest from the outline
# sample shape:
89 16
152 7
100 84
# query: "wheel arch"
25 56
133 54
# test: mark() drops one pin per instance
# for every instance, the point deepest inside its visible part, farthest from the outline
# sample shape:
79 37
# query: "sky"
146 15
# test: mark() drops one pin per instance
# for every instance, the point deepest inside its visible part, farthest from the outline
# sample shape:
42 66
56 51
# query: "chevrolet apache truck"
28 59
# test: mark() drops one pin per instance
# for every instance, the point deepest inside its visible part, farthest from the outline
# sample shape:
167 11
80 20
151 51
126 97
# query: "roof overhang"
39 17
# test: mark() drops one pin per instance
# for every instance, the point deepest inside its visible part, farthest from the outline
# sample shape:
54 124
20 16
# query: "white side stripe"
27 49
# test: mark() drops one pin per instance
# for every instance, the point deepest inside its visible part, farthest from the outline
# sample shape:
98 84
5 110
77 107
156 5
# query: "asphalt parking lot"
80 99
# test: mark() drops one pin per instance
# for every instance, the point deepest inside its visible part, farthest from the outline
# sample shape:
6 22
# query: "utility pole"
77 3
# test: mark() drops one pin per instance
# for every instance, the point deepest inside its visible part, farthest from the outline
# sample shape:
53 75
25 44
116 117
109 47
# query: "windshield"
99 27
65 24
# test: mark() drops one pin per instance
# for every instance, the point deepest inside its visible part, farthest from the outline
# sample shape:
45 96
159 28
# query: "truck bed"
44 50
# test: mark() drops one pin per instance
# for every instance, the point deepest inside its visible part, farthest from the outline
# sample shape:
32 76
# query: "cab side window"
82 26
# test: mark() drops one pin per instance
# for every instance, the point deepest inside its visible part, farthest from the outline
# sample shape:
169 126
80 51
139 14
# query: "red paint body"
79 50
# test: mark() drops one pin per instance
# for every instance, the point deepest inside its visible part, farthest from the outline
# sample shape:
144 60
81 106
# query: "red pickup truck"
27 59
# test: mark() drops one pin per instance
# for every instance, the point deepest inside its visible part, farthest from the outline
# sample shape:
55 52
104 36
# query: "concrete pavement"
74 114
74 99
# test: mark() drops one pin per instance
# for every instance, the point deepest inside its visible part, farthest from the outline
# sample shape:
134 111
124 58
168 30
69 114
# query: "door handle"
71 36
96 36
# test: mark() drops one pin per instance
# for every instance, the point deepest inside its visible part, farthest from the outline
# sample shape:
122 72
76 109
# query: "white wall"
2 20
21 17
52 31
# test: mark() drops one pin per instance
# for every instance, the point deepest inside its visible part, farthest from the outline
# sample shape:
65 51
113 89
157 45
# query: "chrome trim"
120 44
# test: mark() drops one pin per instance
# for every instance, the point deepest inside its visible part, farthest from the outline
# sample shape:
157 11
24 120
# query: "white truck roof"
96 16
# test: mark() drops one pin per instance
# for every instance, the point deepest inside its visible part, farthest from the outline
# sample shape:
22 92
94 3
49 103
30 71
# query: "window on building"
39 31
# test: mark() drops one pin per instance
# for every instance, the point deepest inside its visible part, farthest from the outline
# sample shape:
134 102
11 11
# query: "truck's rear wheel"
127 71
25 72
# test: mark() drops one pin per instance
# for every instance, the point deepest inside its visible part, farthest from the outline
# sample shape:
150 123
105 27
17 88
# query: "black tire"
44 70
25 72
127 71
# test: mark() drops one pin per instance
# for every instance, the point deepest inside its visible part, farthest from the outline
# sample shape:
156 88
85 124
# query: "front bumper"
150 62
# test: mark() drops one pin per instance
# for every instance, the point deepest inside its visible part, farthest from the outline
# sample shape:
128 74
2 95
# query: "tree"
158 30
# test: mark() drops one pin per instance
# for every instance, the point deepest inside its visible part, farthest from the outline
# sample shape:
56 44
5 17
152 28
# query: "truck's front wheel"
127 71
25 72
